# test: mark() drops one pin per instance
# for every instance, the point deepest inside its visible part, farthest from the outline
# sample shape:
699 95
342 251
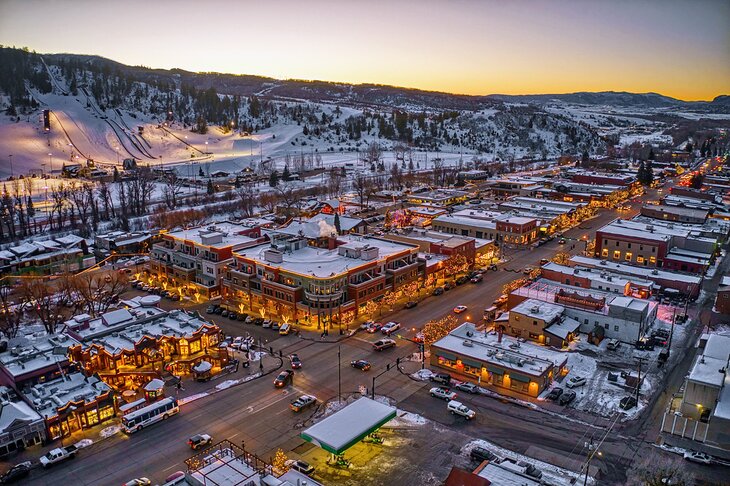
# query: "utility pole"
339 376
588 463
638 383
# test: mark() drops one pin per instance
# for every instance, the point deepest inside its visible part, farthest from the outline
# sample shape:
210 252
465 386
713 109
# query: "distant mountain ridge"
376 94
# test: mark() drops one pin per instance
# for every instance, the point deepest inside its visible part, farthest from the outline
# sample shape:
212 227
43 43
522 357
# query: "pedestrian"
271 350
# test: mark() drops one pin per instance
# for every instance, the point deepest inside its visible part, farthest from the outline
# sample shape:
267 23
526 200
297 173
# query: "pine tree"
211 189
200 172
274 179
338 226
279 461
651 153
649 171
641 173
285 174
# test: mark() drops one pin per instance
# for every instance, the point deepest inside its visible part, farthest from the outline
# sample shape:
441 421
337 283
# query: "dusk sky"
677 48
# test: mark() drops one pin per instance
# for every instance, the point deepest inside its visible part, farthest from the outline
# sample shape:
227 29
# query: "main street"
257 414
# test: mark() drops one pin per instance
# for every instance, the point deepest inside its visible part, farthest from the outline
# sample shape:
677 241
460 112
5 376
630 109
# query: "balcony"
404 267
312 297
362 283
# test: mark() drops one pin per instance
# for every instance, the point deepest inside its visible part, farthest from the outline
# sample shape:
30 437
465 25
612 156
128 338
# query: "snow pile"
191 398
423 375
551 474
227 384
109 431
84 443
405 419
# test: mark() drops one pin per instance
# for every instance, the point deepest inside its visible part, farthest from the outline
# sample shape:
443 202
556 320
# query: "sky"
676 48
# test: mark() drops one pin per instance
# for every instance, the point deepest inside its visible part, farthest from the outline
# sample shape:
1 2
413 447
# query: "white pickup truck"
57 455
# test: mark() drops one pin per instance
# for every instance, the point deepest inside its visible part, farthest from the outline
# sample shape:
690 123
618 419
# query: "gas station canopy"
345 428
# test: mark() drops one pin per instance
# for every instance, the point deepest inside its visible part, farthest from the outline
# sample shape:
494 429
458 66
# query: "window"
617 255
194 346
652 260
604 252
615 328
534 323
606 325
617 243
640 259
628 256
628 245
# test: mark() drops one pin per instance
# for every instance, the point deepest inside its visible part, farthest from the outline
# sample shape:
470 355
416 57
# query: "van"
613 344
285 329
458 408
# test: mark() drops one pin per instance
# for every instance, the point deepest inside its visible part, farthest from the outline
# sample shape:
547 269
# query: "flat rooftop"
538 309
322 263
524 357
229 235
646 272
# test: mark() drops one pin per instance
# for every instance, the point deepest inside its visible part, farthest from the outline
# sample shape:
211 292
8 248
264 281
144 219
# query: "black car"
296 363
285 378
438 291
360 364
567 397
462 280
481 454
411 304
218 310
554 394
16 472
232 315
443 378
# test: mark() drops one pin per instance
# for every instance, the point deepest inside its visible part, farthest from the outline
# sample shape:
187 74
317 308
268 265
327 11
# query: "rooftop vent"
468 343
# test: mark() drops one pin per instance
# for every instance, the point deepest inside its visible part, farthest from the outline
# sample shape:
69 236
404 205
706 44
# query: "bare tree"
171 190
362 185
659 470
374 153
97 291
334 182
45 305
247 194
10 315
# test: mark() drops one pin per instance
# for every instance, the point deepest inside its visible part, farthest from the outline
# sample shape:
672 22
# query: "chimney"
499 336
331 242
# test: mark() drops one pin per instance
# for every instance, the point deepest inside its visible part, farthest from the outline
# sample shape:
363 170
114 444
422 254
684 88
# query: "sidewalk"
191 390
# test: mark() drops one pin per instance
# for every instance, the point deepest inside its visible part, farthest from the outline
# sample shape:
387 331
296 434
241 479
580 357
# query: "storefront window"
184 347
92 417
195 347
106 413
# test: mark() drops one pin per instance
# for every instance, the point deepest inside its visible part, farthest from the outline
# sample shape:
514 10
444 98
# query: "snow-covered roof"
466 221
500 475
28 356
344 428
524 358
48 396
228 232
706 370
116 317
646 272
725 281
563 327
346 223
14 409
538 309
620 229
722 407
717 346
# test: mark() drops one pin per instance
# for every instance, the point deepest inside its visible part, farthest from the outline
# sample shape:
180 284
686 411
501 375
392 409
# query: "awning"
345 428
496 370
445 355
472 363
521 378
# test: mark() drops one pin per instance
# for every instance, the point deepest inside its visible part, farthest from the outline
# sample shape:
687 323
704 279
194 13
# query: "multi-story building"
295 280
664 280
602 178
599 279
122 242
543 322
439 197
722 301
193 260
601 314
36 360
699 419
130 346
20 425
674 213
46 257
505 228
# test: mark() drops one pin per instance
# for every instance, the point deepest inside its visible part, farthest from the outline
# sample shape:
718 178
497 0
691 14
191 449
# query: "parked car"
448 286
443 378
699 457
233 315
285 329
284 378
462 280
613 344
296 363
390 328
302 402
374 327
500 301
275 326
57 455
300 466
544 261
527 270
481 454
438 291
567 397
16 472
218 310
382 344
224 313
266 324
238 342
627 403
249 319
575 381
477 279
199 440
411 304
442 393
561 241
458 408
360 364
554 394
459 309
176 475
467 387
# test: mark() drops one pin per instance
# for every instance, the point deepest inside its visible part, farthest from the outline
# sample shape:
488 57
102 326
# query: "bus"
150 414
